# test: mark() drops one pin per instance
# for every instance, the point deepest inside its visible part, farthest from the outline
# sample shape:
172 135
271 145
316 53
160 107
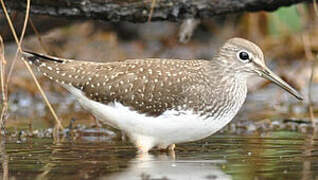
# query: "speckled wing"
149 86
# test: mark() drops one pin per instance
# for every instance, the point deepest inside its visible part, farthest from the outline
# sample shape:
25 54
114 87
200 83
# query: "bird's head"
245 58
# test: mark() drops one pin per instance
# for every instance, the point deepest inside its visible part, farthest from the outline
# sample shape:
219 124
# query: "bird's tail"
36 58
63 71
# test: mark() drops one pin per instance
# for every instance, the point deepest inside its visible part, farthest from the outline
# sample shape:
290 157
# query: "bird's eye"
244 56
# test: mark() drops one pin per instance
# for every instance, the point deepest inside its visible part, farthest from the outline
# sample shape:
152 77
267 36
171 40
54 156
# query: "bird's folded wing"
149 86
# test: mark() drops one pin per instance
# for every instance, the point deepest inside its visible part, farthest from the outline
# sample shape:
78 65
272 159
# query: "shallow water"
271 155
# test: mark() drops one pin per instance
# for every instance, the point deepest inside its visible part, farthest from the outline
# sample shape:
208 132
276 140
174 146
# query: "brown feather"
149 86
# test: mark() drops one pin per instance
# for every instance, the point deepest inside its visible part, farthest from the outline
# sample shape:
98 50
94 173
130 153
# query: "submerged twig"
59 124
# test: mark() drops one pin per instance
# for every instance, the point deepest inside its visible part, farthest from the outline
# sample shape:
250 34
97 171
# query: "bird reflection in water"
148 166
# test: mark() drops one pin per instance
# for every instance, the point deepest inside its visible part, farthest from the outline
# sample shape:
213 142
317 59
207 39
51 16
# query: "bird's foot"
142 153
142 150
168 149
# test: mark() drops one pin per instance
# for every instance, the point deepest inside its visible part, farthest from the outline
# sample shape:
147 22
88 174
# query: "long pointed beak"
268 74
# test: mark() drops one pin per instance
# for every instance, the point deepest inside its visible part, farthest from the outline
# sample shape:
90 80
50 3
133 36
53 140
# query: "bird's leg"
142 150
171 147
143 143
97 122
123 136
172 154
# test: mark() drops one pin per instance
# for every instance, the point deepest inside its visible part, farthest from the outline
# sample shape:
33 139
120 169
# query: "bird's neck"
228 91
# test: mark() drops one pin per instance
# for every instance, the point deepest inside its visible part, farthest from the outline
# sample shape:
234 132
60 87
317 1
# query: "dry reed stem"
38 36
21 37
309 56
4 159
26 64
311 75
315 7
3 87
152 7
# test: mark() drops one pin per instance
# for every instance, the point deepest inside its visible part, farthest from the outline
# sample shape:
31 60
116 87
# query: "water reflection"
166 167
309 148
284 154
4 174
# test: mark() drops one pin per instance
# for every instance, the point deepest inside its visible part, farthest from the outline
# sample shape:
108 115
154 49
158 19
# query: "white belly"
169 128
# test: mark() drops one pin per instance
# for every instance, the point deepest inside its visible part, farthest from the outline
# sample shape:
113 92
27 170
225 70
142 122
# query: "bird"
161 102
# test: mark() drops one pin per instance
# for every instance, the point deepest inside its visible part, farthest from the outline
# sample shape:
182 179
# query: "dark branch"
138 10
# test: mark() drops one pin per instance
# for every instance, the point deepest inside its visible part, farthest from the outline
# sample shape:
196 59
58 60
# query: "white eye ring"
244 56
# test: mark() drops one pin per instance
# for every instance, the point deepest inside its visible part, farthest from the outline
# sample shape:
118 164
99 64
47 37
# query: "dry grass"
19 50
315 7
310 57
44 47
314 59
152 7
3 87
